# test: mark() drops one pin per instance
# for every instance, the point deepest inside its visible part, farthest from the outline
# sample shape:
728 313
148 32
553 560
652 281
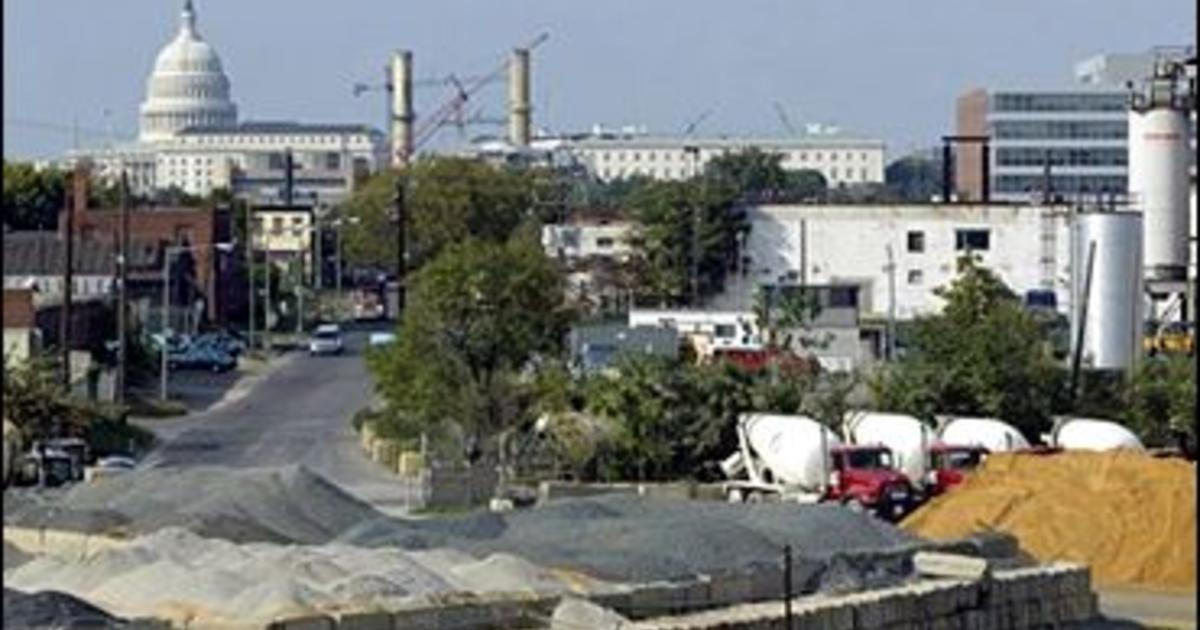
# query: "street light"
337 224
170 251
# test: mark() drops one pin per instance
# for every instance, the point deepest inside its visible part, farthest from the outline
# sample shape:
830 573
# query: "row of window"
845 174
267 139
1060 129
965 239
1034 156
1060 102
667 156
1062 184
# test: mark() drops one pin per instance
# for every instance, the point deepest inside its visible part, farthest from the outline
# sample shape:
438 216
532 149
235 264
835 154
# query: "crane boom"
783 118
451 107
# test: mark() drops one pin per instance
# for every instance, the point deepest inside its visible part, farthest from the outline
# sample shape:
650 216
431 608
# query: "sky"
75 70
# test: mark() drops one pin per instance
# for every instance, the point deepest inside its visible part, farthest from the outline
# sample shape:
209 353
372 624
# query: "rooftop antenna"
783 118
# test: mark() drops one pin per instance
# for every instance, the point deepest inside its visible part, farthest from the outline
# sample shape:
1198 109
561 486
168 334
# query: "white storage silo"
1111 307
1159 159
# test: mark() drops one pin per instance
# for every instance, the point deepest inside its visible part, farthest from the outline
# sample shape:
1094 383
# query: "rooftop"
282 127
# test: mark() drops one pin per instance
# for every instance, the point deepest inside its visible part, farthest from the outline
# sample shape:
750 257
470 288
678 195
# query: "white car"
326 339
381 339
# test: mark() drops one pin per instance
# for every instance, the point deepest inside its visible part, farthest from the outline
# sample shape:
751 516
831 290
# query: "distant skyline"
872 67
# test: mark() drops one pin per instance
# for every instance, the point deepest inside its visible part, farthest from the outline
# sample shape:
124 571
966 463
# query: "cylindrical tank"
402 107
518 98
906 436
1094 435
791 447
1159 159
995 435
1112 319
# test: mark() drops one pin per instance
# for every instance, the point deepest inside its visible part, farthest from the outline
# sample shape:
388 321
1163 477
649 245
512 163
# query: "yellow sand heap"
1130 516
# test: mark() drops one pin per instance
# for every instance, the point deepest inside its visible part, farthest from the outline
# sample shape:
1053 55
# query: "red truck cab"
949 465
866 475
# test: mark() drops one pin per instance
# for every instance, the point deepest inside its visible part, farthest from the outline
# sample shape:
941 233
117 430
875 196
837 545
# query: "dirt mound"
1130 516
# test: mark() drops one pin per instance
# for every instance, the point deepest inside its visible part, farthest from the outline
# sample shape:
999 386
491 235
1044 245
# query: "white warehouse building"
913 246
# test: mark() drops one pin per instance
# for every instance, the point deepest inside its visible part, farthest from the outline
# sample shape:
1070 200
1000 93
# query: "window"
650 156
915 276
817 156
862 173
864 157
803 157
724 331
916 241
637 157
843 297
333 161
604 242
276 225
832 157
972 240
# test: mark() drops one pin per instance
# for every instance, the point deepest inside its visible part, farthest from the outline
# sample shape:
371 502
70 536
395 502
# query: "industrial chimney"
402 108
518 98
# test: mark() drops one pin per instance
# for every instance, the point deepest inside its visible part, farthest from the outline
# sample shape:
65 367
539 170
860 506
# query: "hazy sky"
885 68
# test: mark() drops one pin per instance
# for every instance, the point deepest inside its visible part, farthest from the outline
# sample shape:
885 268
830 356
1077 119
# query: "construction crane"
451 108
687 131
783 118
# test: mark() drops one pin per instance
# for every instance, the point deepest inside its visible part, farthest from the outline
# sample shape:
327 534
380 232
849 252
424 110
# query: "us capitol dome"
188 87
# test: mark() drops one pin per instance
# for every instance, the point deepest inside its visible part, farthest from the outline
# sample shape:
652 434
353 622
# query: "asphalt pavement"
297 414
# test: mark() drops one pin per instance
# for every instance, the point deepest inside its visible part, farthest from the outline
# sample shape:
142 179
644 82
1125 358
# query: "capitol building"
190 138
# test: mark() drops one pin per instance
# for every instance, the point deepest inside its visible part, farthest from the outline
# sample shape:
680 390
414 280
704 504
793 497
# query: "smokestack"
518 98
402 108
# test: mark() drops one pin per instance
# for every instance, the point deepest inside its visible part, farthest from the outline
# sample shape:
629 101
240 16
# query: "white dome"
188 87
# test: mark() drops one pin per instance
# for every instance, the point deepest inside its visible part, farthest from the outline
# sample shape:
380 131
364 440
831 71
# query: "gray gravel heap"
626 538
49 610
281 505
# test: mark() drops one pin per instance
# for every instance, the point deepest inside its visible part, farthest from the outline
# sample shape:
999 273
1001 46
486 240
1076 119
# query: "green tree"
684 231
759 177
1162 400
478 314
36 402
982 355
916 178
32 197
447 199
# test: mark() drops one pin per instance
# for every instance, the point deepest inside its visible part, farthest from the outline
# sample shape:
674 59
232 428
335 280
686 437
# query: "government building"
191 140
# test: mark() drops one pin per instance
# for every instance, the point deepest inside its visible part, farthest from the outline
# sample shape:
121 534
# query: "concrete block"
315 622
650 600
365 621
949 565
730 588
416 619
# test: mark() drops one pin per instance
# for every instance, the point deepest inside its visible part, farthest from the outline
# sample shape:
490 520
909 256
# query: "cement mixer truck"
1092 435
932 463
795 458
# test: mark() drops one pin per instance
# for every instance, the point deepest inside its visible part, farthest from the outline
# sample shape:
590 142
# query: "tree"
983 355
678 225
447 199
479 313
759 177
1162 400
916 178
36 402
32 197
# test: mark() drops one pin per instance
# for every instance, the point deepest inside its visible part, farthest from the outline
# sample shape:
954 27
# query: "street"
298 414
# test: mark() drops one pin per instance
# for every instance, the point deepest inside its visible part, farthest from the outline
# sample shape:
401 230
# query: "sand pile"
283 505
174 574
1130 516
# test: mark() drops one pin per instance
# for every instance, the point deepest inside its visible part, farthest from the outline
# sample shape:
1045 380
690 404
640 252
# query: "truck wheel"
754 497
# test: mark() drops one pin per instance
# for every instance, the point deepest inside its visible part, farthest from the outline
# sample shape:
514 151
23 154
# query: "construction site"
882 521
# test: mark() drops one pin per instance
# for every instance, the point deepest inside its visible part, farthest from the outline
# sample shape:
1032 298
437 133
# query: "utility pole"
250 272
891 323
123 295
78 189
288 177
401 243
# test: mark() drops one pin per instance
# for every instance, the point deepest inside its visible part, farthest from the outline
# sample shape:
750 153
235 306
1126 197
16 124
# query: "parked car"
326 339
378 339
223 341
199 357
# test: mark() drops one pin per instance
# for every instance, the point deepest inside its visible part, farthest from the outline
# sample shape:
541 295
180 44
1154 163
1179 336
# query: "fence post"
787 586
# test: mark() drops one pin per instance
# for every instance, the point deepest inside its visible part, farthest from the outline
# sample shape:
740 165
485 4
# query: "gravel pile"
49 610
174 574
626 538
282 505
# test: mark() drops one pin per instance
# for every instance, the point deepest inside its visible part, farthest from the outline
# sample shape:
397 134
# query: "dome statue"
188 87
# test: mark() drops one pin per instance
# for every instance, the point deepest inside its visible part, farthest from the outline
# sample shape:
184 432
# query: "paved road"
298 414
1153 609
